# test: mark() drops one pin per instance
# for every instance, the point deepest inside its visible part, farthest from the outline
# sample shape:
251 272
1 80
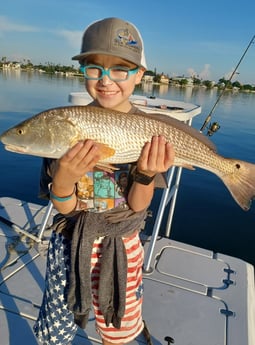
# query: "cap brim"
82 56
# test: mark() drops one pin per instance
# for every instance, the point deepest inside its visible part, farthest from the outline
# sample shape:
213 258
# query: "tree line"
52 68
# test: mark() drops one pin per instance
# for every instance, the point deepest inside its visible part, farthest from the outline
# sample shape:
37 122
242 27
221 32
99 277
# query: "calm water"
206 214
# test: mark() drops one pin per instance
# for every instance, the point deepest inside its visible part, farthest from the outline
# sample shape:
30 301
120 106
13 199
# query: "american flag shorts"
55 323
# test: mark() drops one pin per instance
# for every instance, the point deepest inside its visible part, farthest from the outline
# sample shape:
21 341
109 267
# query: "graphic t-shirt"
100 191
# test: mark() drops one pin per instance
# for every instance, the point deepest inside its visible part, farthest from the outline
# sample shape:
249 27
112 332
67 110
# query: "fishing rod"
215 126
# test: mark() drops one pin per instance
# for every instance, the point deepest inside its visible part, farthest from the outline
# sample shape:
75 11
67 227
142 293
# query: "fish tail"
241 183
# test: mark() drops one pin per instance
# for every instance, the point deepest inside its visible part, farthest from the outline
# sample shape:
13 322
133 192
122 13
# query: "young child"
95 256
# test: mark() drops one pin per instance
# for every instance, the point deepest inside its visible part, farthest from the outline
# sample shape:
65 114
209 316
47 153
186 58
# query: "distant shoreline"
71 74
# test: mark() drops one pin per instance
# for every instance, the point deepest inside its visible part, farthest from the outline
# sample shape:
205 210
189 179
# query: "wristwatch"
142 178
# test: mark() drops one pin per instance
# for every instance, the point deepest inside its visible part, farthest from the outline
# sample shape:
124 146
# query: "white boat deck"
191 294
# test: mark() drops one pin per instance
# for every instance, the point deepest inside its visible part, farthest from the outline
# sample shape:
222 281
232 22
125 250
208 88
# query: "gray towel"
85 227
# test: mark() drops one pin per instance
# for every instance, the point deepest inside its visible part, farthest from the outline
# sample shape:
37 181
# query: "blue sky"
185 37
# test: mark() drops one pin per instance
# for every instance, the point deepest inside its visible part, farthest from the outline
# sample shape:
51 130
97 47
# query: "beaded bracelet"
59 198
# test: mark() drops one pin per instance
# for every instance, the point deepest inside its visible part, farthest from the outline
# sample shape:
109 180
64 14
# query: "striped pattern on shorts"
55 323
132 323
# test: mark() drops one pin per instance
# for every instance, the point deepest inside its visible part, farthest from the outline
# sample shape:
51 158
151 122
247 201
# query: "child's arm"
71 167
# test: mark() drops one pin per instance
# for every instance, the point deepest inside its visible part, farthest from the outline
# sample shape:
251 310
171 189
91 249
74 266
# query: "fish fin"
106 167
188 166
241 183
182 164
105 150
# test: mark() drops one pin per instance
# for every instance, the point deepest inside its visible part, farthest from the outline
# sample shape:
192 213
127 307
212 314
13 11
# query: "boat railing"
169 196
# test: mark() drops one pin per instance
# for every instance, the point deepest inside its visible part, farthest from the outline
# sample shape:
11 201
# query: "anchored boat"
192 296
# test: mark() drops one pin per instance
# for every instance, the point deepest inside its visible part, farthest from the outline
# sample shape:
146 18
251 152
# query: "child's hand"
157 156
80 159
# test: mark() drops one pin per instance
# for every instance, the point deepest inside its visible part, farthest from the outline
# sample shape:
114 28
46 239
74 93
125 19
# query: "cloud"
204 74
191 72
7 25
231 74
73 38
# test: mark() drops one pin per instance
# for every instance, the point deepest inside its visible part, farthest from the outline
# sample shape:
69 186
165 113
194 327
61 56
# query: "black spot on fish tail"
241 183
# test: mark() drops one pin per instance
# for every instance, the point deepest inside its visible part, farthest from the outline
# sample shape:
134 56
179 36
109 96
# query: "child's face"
108 93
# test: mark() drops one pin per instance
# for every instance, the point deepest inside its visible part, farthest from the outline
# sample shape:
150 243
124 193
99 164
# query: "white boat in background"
192 296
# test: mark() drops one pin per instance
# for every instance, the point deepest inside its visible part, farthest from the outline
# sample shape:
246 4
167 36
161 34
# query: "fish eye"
20 131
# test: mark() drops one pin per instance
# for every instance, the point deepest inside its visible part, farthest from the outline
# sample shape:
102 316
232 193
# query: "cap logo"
125 39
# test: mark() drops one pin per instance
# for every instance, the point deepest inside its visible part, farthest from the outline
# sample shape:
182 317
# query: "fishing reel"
213 128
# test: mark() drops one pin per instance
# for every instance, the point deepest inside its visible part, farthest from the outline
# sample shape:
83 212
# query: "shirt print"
100 191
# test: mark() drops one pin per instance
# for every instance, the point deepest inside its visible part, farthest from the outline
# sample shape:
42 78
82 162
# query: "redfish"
121 137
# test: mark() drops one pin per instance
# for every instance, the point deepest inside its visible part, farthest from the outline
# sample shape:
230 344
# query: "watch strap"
142 178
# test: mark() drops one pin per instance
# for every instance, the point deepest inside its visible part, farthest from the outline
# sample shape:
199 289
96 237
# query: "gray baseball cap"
113 36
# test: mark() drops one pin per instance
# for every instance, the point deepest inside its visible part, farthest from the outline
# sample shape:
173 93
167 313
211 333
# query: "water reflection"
11 73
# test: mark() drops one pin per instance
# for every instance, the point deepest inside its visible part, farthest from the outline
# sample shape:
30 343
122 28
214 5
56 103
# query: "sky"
185 37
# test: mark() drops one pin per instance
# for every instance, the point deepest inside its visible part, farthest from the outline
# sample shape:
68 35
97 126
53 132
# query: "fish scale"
128 133
51 134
